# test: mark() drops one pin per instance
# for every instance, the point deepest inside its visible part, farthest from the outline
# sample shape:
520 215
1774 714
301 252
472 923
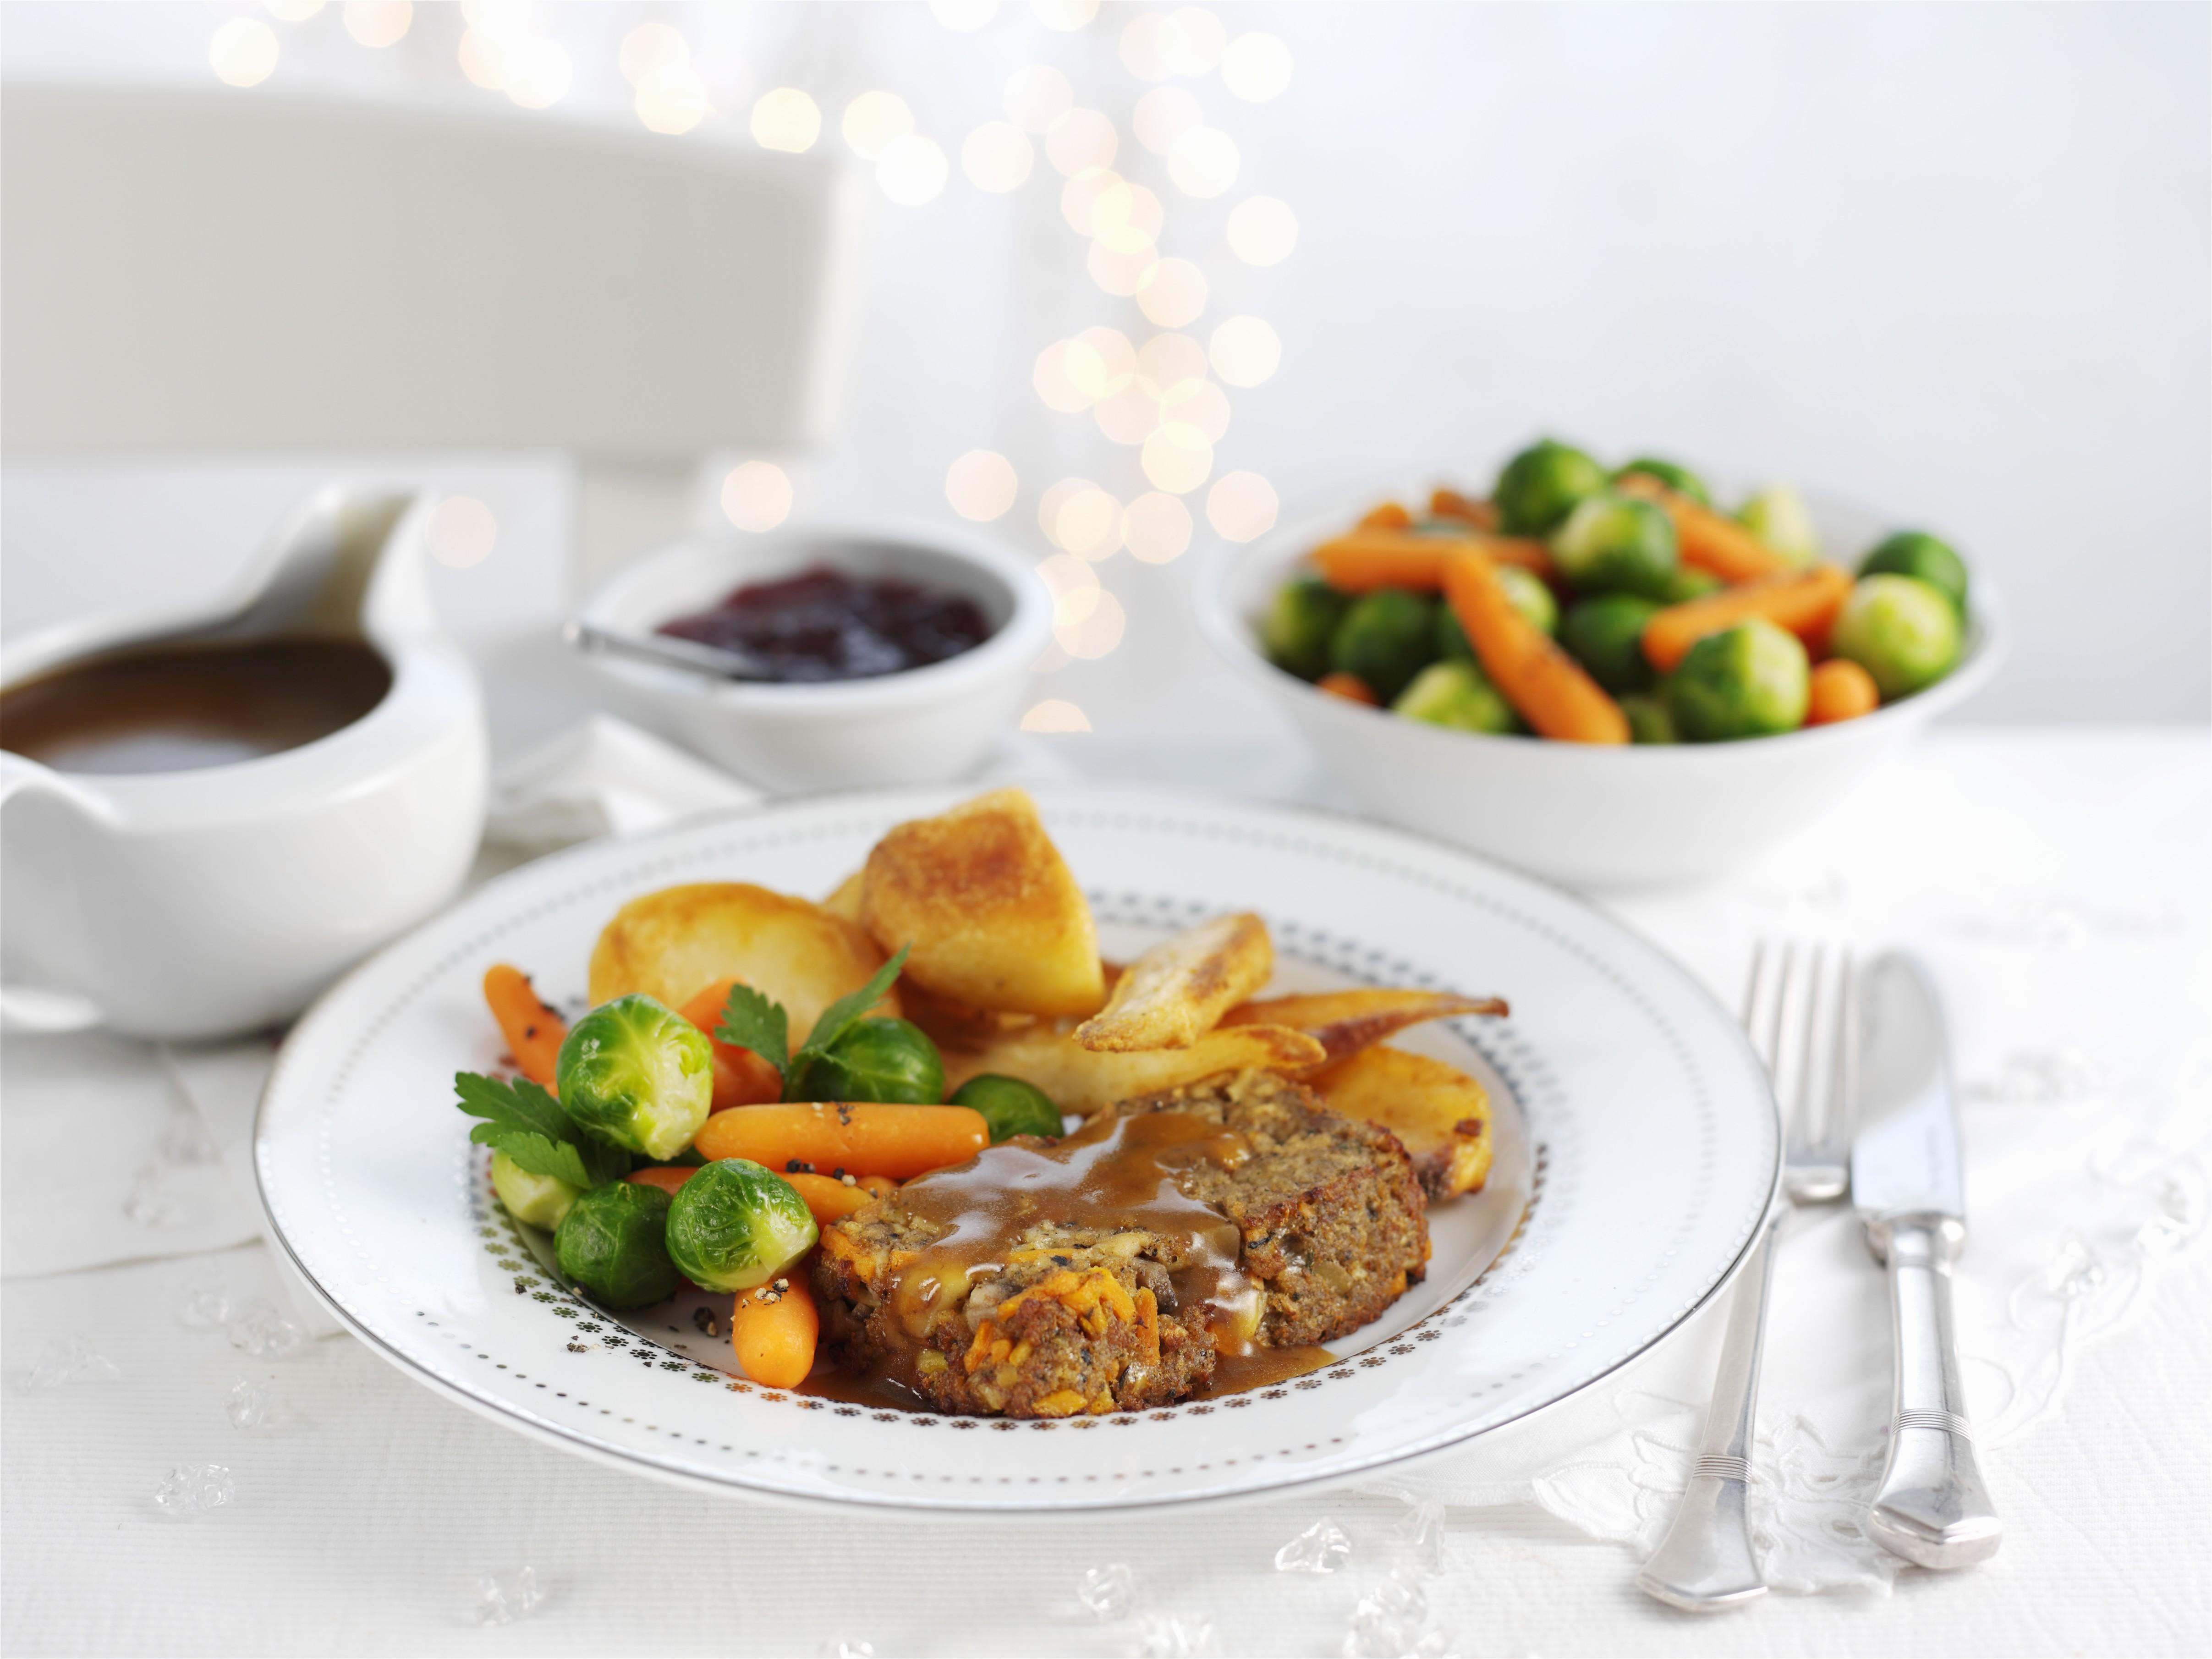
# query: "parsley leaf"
525 1123
841 1015
750 1021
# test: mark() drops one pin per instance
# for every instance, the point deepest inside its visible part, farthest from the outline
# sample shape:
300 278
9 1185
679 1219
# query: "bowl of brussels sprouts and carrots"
1594 671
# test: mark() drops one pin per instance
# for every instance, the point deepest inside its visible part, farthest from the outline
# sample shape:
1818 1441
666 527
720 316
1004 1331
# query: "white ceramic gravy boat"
210 901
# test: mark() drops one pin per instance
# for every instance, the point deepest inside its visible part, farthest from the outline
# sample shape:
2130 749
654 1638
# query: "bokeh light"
786 119
673 99
1173 293
1204 163
1262 230
1204 405
379 23
1156 527
1081 140
1055 715
913 170
1095 633
1094 201
997 157
1191 41
1054 383
536 71
1089 525
482 59
1065 16
981 485
1036 97
650 47
1164 115
963 17
1119 273
291 11
1178 457
1129 416
1245 351
1256 67
1169 365
757 496
1128 219
461 532
1140 47
872 120
1241 506
1074 585
242 52
1101 360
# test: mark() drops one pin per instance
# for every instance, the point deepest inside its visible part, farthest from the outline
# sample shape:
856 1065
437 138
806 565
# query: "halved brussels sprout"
1458 694
1010 1106
1618 544
1385 639
888 1060
1679 479
1777 515
1300 621
1901 630
639 1074
735 1224
535 1201
1688 582
1528 595
1916 553
1541 485
613 1241
1749 681
1605 634
1648 718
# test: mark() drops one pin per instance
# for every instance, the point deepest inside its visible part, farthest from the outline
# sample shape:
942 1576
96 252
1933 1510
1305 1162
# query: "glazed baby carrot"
1546 686
1364 559
826 1197
666 1177
1841 690
1709 541
1350 687
860 1140
773 1327
1391 515
742 1077
534 1032
1803 601
1450 504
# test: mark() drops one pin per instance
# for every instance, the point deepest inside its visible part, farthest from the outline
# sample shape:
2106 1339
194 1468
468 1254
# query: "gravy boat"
216 901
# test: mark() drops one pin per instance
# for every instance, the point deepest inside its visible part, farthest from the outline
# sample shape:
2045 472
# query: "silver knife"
1932 1507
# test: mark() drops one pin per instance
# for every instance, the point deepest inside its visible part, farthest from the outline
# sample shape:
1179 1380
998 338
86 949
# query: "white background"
1952 262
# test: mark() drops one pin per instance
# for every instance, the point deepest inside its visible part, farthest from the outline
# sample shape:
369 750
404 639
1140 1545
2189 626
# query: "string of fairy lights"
1154 382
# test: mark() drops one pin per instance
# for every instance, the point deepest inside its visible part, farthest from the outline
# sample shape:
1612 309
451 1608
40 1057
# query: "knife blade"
1908 1186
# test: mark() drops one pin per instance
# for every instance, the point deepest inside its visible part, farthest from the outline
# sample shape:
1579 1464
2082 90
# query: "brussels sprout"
875 1059
1299 623
535 1201
1457 695
1749 681
1616 544
636 1072
1541 484
1010 1106
1605 634
1916 553
1452 643
1385 639
1526 589
1648 718
734 1225
1901 630
1777 515
1679 479
613 1241
1690 583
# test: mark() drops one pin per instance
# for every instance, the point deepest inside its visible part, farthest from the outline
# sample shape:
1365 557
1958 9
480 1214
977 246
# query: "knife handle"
1931 1508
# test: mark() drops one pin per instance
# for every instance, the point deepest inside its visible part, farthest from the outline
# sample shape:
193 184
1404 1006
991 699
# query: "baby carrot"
826 1197
860 1140
1348 686
534 1032
1803 601
1841 690
773 1327
742 1077
1450 504
666 1177
1546 686
1364 559
1709 541
1391 515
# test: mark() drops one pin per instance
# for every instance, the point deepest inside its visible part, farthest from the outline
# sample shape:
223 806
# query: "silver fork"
1800 1012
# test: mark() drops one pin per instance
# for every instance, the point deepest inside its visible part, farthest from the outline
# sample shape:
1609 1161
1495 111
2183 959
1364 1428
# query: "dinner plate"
1637 1147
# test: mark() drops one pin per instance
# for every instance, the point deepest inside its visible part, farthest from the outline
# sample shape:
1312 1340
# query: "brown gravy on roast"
180 708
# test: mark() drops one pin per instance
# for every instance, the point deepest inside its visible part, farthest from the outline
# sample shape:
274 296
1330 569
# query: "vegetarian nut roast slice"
1108 1271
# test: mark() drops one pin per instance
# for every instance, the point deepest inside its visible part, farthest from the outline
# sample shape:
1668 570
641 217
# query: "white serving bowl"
1591 816
925 726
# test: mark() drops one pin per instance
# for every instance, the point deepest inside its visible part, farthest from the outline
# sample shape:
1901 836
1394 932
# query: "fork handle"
1931 1508
1705 1563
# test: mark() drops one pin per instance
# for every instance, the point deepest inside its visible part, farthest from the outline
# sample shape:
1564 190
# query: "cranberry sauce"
825 625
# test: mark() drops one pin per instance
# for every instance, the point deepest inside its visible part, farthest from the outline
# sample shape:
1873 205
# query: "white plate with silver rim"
1637 1148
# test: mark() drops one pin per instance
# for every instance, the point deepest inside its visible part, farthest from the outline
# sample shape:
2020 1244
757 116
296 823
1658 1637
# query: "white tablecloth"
2059 882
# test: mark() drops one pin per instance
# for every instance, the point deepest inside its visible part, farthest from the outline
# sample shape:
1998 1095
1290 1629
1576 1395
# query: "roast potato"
1083 1080
1177 991
992 915
845 900
1439 1112
670 943
1348 1021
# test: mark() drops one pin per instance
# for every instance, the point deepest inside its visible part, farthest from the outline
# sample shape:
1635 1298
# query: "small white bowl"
924 726
1590 816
